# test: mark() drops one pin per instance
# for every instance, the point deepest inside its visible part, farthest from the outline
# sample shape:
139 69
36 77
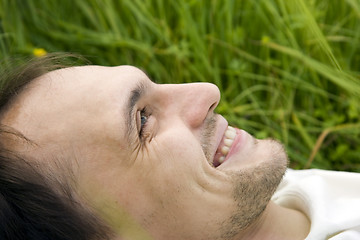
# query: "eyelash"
143 113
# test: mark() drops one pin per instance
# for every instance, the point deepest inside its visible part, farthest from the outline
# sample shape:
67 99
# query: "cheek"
178 150
172 162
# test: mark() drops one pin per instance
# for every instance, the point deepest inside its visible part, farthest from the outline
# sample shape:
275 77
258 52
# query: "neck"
279 223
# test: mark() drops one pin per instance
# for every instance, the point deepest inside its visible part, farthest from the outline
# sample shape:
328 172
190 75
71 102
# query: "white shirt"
331 200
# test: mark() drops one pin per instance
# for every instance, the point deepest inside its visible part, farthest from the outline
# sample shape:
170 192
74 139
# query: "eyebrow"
135 95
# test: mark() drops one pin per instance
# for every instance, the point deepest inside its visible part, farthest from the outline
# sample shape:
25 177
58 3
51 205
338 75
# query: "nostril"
213 106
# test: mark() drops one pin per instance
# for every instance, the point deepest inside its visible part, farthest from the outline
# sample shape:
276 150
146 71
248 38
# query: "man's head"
157 154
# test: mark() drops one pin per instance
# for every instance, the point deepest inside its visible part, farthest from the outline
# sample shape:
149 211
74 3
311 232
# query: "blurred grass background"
287 69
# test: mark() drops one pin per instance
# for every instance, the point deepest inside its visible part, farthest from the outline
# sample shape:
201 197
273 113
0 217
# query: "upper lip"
221 127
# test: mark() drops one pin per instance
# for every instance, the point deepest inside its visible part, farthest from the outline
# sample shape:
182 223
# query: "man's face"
157 152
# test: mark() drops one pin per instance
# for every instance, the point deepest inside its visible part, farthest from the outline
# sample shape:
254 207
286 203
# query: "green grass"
287 69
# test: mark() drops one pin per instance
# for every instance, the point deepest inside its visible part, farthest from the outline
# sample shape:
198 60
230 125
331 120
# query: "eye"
143 121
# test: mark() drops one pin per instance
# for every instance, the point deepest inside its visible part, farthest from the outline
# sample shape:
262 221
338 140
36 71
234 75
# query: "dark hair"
31 206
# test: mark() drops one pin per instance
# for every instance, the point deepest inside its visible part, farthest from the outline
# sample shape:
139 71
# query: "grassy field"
287 69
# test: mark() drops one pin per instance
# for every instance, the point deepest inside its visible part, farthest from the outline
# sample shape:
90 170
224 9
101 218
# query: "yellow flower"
265 39
39 52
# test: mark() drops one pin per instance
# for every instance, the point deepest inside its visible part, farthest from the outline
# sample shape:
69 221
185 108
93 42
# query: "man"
109 154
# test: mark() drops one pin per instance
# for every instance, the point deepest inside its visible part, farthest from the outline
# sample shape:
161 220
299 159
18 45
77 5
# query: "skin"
163 182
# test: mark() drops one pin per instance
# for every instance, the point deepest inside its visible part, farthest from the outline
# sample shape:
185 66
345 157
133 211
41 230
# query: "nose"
191 102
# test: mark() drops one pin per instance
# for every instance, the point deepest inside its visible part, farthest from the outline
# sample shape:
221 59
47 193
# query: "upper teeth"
230 134
225 150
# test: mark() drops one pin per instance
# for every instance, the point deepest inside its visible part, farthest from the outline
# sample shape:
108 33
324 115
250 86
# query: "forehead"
67 104
90 77
74 81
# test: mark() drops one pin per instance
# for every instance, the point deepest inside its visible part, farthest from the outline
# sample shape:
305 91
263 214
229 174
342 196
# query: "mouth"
225 146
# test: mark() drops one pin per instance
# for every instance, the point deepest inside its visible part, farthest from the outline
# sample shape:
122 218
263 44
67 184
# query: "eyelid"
139 112
138 120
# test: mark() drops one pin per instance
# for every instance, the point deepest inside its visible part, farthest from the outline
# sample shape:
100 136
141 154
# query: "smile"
224 146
